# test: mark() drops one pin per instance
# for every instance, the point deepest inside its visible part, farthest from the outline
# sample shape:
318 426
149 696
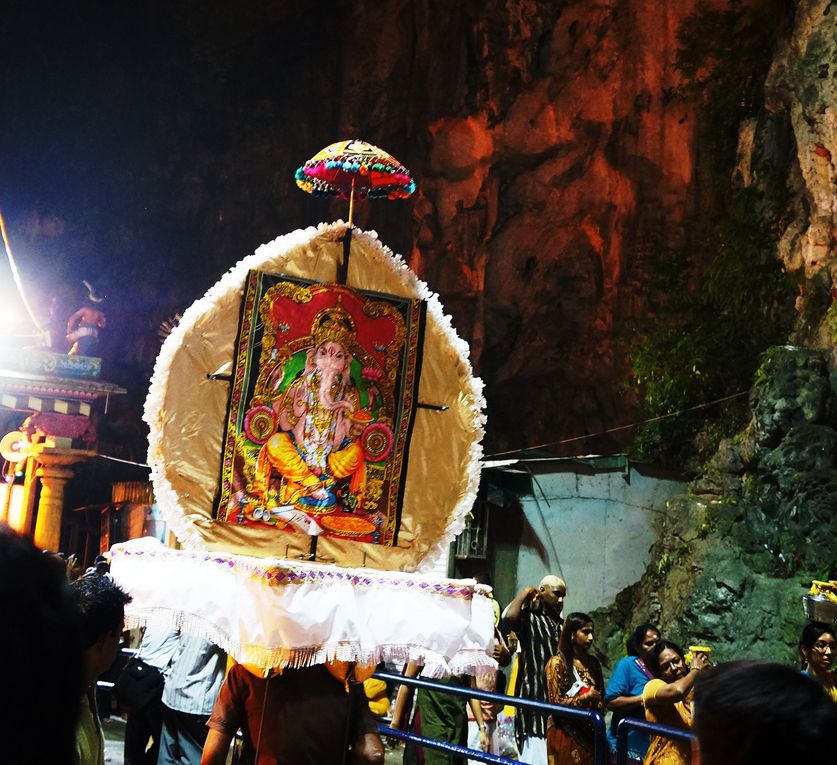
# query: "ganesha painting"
321 407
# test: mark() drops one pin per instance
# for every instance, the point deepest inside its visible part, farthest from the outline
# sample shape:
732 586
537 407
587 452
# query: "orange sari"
667 751
570 742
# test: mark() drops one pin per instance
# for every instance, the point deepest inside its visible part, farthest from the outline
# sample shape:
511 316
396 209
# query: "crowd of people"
732 708
63 630
60 636
656 682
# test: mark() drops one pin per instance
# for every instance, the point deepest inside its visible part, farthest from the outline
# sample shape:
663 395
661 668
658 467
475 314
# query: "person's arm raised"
679 689
512 611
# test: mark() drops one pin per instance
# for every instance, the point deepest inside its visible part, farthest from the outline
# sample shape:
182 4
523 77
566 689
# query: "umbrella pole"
343 271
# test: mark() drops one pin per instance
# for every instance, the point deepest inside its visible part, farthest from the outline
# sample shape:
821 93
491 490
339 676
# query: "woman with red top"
573 679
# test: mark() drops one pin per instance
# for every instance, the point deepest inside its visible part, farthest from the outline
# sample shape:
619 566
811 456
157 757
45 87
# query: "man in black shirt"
535 616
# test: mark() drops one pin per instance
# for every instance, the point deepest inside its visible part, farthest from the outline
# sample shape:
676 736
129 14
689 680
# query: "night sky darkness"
144 147
82 86
141 143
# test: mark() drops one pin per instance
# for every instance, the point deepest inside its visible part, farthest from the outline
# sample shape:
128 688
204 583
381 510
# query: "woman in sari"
573 679
623 694
667 700
816 649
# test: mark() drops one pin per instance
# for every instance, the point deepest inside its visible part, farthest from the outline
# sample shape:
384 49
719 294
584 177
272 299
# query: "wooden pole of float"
343 271
342 276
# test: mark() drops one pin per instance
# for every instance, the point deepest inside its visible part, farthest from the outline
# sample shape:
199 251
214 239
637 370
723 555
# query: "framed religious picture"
321 408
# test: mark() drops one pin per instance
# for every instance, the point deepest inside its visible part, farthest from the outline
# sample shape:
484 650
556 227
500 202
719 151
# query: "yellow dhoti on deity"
299 479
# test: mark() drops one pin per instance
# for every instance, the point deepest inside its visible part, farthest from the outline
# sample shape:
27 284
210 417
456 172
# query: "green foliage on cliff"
724 298
723 56
704 343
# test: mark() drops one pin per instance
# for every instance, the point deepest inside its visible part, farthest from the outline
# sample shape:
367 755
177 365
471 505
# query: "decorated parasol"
349 169
354 169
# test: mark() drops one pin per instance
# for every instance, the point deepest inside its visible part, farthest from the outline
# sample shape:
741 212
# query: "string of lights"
124 462
549 443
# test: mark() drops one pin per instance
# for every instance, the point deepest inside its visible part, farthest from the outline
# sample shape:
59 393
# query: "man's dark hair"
40 641
653 660
101 603
634 642
756 712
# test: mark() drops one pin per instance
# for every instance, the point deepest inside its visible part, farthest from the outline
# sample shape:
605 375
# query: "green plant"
672 557
830 322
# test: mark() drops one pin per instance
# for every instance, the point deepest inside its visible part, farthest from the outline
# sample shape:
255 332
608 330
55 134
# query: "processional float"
314 444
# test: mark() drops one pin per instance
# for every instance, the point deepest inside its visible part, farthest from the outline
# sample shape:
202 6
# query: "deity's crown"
334 324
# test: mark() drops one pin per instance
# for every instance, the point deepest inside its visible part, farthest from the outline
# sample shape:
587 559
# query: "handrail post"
622 743
599 739
628 723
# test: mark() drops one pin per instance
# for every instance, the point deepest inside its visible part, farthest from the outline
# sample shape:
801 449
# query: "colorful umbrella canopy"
355 168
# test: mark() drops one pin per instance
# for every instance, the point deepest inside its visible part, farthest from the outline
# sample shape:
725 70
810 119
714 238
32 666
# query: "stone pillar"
51 506
54 472
27 512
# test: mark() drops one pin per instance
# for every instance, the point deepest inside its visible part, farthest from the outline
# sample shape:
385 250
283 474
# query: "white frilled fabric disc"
272 613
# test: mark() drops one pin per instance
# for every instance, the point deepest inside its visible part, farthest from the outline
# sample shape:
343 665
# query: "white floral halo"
185 411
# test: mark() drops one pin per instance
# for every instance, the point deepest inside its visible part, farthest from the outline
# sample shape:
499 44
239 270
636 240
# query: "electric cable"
617 428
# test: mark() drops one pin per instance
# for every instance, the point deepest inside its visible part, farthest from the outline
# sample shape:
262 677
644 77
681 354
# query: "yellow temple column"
54 472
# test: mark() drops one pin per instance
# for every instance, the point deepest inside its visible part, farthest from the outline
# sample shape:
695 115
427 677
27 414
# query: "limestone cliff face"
802 85
551 157
736 555
550 164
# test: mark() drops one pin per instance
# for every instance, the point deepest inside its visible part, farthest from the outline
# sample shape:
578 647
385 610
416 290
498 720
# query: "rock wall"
735 556
550 165
802 84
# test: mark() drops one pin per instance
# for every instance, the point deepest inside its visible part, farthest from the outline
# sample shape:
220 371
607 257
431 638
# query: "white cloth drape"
271 612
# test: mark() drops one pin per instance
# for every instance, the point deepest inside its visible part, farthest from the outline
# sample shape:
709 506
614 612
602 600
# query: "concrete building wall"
594 528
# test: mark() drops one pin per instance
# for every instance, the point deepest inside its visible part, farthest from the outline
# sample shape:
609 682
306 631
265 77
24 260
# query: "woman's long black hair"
634 642
572 624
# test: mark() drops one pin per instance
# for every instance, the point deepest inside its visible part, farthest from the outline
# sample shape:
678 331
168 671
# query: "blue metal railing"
590 716
595 719
627 724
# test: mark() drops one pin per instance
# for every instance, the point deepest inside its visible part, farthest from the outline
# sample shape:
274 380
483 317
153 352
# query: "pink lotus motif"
372 374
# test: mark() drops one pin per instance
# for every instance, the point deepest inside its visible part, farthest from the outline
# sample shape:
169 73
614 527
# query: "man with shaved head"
535 615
